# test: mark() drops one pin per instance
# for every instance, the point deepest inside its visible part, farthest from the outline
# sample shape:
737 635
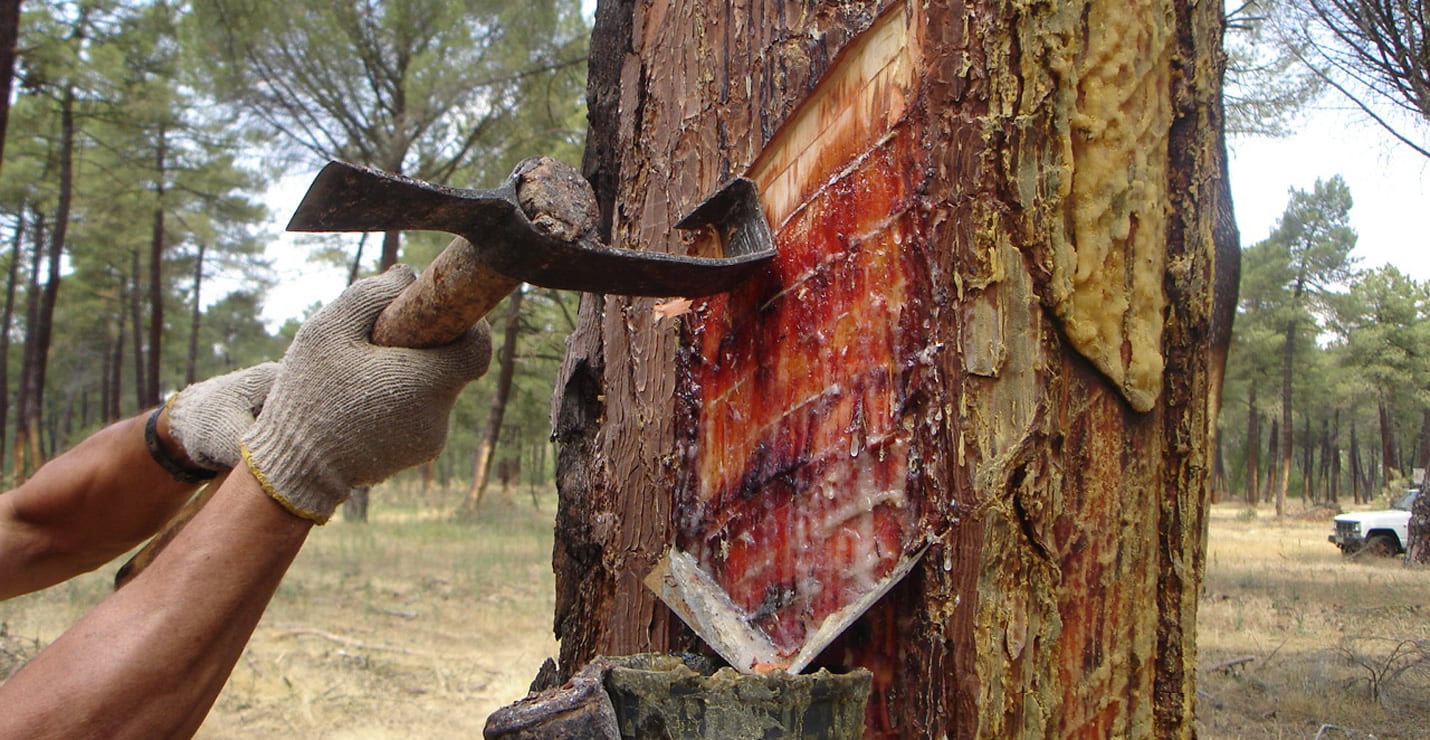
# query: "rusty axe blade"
348 197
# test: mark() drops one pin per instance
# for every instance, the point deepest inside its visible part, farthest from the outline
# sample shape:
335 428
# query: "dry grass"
411 626
416 627
1296 640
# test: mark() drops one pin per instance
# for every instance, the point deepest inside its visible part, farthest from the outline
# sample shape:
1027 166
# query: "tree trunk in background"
115 387
1333 456
1283 483
17 253
391 247
1056 452
191 362
39 332
1308 463
23 435
9 36
1422 450
156 279
1389 463
136 321
506 372
1272 447
1253 449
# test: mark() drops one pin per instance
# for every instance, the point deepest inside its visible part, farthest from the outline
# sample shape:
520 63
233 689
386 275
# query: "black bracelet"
182 473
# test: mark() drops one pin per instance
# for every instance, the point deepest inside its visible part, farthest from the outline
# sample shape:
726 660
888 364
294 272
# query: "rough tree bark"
1043 186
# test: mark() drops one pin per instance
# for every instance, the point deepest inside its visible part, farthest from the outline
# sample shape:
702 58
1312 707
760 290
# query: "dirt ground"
411 626
415 627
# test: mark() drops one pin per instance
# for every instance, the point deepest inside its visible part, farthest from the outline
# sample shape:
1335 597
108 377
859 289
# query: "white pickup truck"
1375 532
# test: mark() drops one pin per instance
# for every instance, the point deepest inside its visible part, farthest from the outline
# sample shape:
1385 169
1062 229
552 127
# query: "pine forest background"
143 135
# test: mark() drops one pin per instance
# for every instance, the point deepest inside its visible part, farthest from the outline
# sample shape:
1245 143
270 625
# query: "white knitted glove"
344 412
207 419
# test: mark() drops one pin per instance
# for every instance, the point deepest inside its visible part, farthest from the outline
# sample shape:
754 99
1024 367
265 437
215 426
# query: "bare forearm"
84 508
150 660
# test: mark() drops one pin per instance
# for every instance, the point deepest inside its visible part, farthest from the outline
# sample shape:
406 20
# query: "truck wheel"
1381 546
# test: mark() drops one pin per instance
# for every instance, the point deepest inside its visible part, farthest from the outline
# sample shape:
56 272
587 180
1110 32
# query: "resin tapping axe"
538 227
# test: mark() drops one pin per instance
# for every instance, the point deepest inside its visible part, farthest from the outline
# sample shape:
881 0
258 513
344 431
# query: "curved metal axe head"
348 197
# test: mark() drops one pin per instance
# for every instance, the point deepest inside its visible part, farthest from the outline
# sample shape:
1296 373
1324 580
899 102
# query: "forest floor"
413 626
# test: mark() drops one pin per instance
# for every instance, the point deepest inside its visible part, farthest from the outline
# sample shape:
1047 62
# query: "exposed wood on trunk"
1059 595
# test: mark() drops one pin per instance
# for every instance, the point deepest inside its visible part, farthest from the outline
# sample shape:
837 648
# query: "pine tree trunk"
17 253
1287 355
115 387
191 362
156 280
9 35
1253 449
27 362
41 330
1355 463
1390 464
136 321
946 270
1272 447
506 373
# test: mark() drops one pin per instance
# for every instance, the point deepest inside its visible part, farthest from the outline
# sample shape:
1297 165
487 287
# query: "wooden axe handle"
450 296
447 299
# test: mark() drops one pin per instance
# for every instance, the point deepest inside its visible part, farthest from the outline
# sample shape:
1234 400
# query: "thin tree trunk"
1335 457
42 330
1272 449
1389 463
355 268
1253 448
1308 463
156 275
1355 463
485 452
136 322
1287 446
1422 452
23 437
191 364
9 35
115 379
17 249
391 247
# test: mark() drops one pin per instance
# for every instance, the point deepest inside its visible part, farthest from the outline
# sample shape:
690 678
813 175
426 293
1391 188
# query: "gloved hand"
344 412
207 419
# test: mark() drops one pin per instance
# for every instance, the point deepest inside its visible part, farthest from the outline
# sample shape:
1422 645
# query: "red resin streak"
797 452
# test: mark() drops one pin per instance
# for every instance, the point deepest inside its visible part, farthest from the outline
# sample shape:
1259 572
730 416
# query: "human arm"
156 653
87 506
150 660
107 494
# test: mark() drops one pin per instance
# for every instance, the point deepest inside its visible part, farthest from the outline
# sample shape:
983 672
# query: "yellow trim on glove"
273 493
